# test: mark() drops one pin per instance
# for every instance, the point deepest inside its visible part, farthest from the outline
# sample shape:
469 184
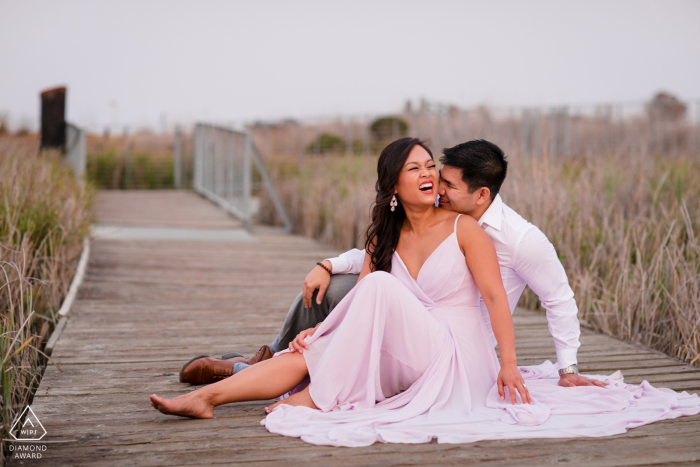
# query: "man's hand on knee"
319 279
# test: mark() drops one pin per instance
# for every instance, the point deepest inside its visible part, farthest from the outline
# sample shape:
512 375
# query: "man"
470 178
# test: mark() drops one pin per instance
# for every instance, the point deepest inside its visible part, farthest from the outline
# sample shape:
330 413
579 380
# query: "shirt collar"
492 216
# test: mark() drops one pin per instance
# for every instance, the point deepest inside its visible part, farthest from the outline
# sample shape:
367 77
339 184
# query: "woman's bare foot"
189 405
300 399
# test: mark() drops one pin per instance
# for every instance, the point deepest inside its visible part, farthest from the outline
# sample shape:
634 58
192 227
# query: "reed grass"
626 228
142 170
44 215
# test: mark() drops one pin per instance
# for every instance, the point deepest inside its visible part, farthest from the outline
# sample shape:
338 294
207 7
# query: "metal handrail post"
270 188
247 185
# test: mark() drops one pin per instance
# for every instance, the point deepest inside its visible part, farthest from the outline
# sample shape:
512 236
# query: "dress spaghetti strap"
456 219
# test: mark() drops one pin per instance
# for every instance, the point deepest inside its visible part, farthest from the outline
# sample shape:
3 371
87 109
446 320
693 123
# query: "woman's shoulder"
462 222
466 223
468 229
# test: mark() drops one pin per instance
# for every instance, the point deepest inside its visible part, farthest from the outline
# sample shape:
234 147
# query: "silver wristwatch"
571 369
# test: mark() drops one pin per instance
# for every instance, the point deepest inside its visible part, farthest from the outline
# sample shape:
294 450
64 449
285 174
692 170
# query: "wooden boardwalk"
148 305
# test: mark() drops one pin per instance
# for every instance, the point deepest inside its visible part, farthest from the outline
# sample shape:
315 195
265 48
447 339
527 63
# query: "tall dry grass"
327 198
627 229
44 215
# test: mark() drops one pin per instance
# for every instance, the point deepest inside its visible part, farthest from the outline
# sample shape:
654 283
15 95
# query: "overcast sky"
234 60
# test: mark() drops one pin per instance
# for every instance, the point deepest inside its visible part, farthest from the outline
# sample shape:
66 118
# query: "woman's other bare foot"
300 399
190 405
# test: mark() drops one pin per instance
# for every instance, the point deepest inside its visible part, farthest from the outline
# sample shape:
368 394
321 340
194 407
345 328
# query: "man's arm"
349 262
537 263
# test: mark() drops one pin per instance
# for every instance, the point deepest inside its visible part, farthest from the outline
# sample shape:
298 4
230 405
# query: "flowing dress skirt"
405 361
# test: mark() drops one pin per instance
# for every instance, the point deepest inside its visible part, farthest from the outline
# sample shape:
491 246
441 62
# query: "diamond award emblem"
30 430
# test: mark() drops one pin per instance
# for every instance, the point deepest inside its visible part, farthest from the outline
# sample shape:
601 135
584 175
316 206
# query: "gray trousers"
300 318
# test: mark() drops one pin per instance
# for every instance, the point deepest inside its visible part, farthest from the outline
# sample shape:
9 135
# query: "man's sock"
240 366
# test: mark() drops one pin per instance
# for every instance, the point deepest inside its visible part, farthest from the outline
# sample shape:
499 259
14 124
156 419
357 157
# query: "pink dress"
404 361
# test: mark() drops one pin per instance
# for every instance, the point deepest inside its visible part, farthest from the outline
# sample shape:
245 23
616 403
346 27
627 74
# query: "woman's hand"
510 377
298 344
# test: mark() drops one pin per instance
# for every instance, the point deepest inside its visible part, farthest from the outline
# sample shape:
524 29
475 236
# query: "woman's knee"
293 361
379 277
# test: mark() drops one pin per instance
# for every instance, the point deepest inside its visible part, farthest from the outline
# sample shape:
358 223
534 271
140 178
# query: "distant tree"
326 143
667 107
388 128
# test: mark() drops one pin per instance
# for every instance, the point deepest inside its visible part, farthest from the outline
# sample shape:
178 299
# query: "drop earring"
393 203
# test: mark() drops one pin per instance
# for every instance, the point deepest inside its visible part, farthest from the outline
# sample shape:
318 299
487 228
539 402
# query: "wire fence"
664 125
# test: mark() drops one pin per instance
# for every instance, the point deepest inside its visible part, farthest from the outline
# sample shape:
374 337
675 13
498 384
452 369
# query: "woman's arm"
483 263
366 267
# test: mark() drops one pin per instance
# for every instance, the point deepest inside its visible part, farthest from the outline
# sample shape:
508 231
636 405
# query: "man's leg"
300 318
206 370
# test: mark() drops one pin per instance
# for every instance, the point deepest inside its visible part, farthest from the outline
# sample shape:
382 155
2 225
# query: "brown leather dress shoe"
263 354
206 370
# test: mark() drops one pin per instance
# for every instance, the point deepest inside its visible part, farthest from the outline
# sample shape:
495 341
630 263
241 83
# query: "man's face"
454 192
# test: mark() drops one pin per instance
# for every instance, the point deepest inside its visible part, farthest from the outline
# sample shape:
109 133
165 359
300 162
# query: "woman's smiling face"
418 180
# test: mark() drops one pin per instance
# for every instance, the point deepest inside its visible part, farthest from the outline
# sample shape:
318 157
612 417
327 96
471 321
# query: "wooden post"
53 119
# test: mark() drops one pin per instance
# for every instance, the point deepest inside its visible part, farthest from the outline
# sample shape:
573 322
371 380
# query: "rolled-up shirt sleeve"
349 262
537 263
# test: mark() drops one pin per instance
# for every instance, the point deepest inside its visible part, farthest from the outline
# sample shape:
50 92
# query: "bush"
388 129
143 170
326 143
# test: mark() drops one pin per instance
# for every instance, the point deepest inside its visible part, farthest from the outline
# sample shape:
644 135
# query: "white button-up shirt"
526 257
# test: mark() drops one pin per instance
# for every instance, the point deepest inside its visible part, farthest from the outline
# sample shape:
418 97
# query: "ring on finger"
524 385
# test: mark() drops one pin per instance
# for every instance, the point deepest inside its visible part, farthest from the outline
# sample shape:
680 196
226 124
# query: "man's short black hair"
483 164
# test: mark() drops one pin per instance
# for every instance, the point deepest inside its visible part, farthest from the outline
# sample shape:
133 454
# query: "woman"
405 357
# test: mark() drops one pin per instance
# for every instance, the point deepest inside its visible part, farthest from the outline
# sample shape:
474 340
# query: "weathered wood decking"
147 306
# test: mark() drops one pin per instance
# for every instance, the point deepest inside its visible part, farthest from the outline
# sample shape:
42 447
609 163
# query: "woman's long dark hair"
386 225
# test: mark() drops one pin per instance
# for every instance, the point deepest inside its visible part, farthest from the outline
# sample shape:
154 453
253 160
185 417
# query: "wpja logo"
31 429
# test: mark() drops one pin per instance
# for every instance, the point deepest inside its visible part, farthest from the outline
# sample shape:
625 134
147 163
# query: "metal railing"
76 151
223 172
